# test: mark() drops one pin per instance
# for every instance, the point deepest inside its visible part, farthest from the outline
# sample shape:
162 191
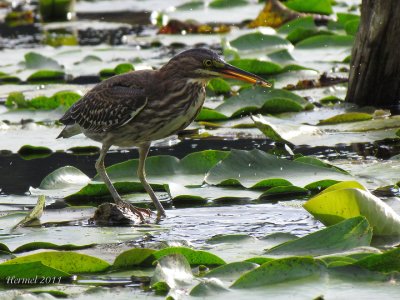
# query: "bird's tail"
69 130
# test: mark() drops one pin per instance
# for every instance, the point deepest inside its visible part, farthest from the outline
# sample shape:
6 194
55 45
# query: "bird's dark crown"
195 63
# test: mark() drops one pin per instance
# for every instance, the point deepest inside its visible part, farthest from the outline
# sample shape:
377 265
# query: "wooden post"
375 60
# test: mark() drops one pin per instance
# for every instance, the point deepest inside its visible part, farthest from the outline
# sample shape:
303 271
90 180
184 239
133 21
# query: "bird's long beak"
230 71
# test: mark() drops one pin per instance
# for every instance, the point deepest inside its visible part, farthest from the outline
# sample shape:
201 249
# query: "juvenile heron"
136 108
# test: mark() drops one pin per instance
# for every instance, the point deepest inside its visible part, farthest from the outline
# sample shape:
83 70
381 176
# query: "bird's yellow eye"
207 63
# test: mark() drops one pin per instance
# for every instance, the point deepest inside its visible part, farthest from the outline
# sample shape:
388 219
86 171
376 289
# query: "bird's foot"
140 212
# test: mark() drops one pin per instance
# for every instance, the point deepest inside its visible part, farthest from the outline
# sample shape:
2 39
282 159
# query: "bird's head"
205 64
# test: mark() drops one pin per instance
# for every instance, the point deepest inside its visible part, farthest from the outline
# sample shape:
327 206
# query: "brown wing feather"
108 105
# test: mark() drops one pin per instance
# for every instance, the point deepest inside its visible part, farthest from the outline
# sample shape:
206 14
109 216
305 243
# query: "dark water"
18 174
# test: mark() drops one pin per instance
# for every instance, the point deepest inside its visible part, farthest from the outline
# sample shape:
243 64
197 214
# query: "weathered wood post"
375 62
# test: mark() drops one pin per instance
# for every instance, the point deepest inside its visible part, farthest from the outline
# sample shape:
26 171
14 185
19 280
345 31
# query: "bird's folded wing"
106 107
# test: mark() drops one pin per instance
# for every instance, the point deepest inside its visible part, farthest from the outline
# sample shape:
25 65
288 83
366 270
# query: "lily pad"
348 234
255 100
221 4
34 214
258 41
35 60
279 270
29 270
194 257
257 169
257 66
350 199
69 262
311 6
385 262
47 76
134 257
347 117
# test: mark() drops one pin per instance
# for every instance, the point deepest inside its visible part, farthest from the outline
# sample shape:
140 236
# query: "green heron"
136 108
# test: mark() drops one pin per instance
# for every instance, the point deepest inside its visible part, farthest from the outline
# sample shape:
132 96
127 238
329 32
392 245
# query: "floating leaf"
219 86
388 261
279 270
191 5
29 270
69 262
265 100
257 66
348 234
311 6
134 257
45 245
194 257
323 41
34 214
350 199
347 117
227 3
32 152
35 60
47 76
16 99
123 68
257 169
231 271
258 41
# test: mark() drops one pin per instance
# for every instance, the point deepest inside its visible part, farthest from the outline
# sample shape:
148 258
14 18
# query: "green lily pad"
47 76
194 257
265 100
323 41
69 262
34 214
220 4
257 66
35 60
388 261
45 245
350 199
258 41
279 270
190 5
123 68
305 23
347 117
16 99
231 271
32 152
29 270
219 86
348 234
134 257
311 6
257 169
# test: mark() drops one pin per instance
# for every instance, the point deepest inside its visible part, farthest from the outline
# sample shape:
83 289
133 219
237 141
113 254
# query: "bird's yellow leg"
117 198
143 151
